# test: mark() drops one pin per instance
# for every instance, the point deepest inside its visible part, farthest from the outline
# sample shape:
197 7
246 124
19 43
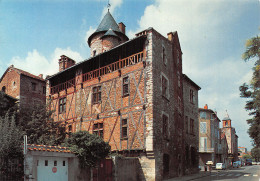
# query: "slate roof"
110 32
226 118
32 147
108 22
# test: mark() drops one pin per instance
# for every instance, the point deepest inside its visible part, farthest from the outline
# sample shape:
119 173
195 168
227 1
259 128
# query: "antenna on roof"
227 114
108 5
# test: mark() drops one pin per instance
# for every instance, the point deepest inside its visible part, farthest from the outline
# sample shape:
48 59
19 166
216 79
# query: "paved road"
245 173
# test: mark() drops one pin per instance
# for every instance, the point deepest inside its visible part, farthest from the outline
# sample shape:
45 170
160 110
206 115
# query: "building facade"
209 137
232 140
130 93
191 124
24 86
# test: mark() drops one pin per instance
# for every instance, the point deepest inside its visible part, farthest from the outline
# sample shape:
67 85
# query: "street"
245 173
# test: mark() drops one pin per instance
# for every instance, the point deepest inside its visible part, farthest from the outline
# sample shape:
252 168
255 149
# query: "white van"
220 166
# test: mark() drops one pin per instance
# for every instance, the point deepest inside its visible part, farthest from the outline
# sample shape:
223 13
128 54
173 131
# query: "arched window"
3 88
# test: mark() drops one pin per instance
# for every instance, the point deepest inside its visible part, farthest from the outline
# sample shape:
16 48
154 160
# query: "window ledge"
126 95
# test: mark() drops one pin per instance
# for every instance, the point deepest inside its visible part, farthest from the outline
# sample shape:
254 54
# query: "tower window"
126 86
124 128
192 96
98 129
164 56
33 86
96 94
192 126
165 86
165 126
62 105
44 90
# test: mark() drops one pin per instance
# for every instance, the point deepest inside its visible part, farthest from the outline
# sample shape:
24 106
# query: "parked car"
254 163
258 163
235 165
220 166
239 163
248 161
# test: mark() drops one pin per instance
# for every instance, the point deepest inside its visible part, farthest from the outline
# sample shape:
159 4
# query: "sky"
212 33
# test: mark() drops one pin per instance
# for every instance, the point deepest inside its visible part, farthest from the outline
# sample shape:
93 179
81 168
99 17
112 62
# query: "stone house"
29 89
191 124
130 93
209 137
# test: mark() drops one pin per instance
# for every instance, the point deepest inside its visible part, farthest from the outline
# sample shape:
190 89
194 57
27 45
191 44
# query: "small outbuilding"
49 163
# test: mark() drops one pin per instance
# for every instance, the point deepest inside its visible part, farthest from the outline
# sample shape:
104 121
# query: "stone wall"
191 139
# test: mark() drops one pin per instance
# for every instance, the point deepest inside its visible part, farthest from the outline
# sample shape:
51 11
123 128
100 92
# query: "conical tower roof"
107 23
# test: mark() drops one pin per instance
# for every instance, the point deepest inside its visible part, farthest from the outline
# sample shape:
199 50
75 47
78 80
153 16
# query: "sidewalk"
192 176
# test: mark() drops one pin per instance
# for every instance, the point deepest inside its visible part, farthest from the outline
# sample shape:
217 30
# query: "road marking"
246 175
230 174
221 174
255 175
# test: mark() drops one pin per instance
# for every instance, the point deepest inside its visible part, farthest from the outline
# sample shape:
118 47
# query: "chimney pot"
170 36
40 75
206 106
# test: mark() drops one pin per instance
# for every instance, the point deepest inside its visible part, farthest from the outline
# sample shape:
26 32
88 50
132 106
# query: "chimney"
206 106
65 62
41 76
170 36
122 27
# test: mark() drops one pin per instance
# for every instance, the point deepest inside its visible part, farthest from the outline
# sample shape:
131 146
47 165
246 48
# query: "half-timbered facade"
130 93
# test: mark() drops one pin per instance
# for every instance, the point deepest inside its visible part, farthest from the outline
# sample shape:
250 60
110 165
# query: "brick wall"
11 81
20 86
28 96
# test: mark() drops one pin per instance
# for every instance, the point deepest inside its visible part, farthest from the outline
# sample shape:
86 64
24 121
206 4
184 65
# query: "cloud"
90 31
206 32
36 63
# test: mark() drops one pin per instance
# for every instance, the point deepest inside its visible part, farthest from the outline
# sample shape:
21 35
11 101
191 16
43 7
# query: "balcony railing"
131 60
63 86
206 150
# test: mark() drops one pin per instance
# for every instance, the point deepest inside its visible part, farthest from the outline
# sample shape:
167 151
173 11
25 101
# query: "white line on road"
246 175
255 175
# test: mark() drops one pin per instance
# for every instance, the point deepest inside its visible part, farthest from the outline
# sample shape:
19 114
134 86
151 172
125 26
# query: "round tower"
108 35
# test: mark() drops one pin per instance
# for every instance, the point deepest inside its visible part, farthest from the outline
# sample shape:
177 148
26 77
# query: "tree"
252 91
255 152
10 138
40 128
89 148
247 157
7 103
10 149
